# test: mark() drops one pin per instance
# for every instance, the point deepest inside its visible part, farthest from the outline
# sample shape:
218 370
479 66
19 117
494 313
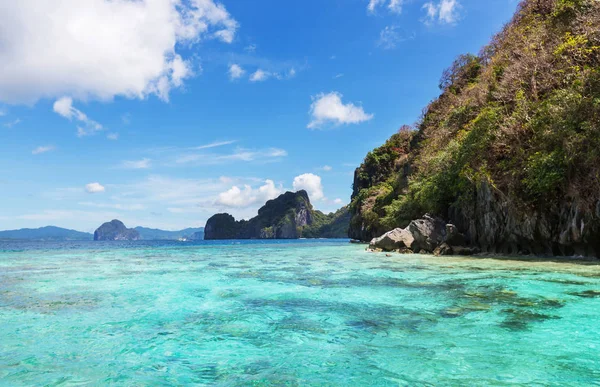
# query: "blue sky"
164 112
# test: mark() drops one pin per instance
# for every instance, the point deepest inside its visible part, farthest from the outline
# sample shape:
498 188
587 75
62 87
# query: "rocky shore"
428 235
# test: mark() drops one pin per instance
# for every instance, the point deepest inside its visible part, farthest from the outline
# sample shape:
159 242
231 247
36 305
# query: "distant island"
157 234
115 230
290 216
48 233
53 233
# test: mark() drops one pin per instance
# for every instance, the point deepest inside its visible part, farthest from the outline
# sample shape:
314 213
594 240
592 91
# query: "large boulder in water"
428 232
396 239
115 230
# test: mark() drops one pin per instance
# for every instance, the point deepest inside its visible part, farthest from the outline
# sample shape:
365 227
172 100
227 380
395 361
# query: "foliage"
333 225
523 115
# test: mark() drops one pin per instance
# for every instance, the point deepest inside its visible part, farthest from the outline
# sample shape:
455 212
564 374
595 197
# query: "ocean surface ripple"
295 313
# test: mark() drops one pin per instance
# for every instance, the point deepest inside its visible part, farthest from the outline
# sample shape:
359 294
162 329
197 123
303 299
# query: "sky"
161 113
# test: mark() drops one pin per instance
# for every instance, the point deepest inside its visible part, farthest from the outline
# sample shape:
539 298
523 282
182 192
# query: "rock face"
115 230
428 233
290 216
222 226
497 225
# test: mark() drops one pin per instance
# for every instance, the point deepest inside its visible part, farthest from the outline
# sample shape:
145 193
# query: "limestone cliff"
290 216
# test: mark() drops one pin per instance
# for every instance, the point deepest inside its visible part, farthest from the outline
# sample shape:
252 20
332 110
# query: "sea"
291 313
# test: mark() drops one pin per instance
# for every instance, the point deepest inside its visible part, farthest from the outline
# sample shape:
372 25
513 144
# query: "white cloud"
240 154
137 164
329 108
260 76
310 183
94 188
88 127
390 36
338 201
215 144
12 123
98 49
338 76
236 72
250 48
326 168
444 12
113 136
394 6
42 149
247 196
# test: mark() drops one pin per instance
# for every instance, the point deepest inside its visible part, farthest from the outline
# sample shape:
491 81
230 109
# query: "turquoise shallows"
298 313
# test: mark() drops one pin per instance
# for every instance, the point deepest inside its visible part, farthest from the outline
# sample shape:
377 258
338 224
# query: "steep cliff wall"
510 150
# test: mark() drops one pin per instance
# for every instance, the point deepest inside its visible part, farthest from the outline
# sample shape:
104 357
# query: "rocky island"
507 155
115 230
290 216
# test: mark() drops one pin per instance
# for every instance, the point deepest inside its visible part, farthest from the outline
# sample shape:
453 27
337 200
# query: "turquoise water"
291 314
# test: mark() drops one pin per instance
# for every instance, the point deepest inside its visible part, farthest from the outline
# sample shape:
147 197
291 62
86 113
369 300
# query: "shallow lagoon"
306 313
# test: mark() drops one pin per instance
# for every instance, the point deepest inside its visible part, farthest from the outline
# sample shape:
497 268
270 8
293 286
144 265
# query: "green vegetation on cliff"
333 225
521 120
290 216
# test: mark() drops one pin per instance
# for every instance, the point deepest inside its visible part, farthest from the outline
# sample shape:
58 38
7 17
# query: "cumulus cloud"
329 109
137 164
42 149
98 49
444 12
86 126
311 183
236 72
247 196
394 6
260 76
94 188
338 201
